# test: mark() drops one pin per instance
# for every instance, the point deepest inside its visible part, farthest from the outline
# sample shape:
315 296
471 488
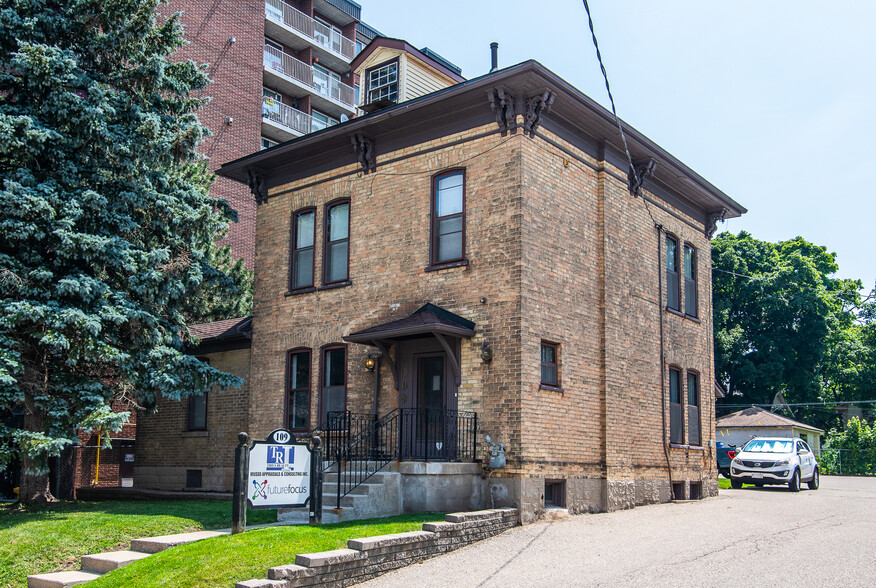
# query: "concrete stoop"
380 496
370 557
93 566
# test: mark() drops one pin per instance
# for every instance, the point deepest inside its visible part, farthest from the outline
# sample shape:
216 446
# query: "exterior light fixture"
369 364
229 120
232 40
486 352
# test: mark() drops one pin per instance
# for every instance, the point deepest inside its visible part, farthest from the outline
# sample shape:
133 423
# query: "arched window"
298 390
676 426
693 408
448 218
690 280
302 244
672 298
336 253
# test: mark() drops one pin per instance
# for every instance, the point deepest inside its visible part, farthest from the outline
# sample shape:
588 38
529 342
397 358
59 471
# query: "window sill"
551 388
675 312
196 434
336 285
300 291
441 266
691 317
685 446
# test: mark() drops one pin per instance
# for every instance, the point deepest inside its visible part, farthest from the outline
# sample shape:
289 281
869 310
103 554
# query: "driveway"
755 537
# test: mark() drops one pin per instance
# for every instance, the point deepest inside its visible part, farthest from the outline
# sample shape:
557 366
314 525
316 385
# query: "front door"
427 401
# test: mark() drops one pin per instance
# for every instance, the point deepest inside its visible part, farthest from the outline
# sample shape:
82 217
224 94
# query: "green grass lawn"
222 561
36 540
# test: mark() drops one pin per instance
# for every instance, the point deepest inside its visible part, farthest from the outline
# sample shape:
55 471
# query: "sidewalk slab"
101 563
60 579
156 544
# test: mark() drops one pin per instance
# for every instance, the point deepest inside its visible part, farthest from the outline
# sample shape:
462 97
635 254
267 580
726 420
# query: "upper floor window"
690 280
303 236
321 121
693 408
550 373
448 218
298 390
273 55
382 82
267 143
672 297
336 253
676 431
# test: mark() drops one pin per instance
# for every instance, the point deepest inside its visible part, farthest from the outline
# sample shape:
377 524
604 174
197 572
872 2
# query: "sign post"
241 467
316 482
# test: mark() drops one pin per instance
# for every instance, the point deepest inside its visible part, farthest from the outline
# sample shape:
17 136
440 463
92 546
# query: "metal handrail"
292 118
289 16
405 433
285 64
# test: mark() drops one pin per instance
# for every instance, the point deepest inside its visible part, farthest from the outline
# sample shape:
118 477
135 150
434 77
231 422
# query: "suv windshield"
762 446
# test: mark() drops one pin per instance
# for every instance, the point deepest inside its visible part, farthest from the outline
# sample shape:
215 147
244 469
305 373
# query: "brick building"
483 244
279 69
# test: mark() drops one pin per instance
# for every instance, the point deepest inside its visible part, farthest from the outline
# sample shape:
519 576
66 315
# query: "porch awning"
428 320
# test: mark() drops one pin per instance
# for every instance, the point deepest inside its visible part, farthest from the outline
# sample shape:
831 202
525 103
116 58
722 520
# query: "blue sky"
770 100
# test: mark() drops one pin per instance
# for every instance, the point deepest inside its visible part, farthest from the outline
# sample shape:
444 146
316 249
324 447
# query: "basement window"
194 479
696 490
678 491
555 493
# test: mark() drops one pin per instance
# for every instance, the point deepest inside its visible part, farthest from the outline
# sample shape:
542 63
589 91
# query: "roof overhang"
573 116
428 320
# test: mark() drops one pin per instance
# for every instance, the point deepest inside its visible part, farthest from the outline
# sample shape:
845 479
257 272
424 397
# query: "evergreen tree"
106 227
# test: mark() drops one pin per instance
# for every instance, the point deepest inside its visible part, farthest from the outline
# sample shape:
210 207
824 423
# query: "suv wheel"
735 484
794 482
813 483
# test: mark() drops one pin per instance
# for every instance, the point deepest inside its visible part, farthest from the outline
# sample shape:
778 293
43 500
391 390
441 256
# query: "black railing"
405 434
339 428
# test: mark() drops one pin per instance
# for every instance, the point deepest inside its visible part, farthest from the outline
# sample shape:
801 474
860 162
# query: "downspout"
662 356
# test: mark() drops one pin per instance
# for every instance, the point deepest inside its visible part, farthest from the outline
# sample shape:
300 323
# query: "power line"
799 404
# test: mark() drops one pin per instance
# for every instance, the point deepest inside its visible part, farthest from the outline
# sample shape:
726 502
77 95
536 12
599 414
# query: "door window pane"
298 391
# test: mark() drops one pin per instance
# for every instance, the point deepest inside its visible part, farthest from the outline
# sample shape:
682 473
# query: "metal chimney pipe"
494 52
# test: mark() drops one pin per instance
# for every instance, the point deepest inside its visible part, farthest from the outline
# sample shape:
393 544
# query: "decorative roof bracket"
502 104
257 186
451 356
644 169
712 221
392 367
365 153
536 106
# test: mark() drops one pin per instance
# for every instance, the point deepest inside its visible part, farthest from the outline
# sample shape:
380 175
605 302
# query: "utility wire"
800 404
633 174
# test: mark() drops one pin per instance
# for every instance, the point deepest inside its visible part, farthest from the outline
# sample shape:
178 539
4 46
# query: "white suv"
768 460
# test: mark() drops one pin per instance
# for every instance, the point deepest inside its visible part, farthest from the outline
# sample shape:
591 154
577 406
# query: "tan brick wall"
165 449
561 252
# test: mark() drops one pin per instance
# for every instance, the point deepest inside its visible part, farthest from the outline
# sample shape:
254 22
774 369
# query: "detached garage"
737 428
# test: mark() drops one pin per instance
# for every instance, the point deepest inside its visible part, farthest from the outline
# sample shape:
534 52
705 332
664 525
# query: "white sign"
279 472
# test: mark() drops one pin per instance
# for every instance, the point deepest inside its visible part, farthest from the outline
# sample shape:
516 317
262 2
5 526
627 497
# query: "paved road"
768 537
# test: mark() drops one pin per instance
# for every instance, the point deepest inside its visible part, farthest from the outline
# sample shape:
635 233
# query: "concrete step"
156 544
101 563
331 488
60 579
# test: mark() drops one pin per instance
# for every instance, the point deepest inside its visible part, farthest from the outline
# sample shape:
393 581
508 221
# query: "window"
326 81
690 280
448 218
382 82
303 235
334 381
321 121
550 374
197 409
693 408
273 55
267 143
298 390
672 273
336 252
676 432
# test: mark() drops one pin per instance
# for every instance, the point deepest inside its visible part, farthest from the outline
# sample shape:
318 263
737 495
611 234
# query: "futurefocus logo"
260 489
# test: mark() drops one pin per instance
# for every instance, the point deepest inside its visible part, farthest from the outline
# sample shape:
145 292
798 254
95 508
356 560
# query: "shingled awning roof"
223 335
428 320
759 417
